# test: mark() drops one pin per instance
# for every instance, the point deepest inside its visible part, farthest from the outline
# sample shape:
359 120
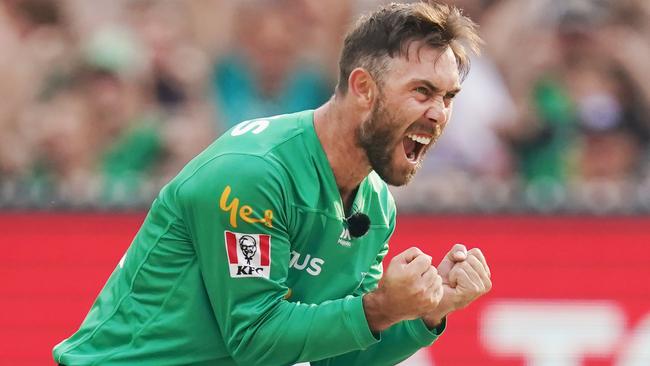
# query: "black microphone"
358 224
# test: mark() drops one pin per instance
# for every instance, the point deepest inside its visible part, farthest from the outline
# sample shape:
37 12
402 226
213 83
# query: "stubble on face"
383 135
379 136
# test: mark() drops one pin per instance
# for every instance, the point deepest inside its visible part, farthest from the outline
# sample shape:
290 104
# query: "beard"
379 137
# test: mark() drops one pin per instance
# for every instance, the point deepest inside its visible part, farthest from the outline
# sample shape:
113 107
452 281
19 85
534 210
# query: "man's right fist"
410 288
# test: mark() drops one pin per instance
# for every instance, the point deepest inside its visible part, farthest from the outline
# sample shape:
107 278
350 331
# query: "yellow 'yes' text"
245 211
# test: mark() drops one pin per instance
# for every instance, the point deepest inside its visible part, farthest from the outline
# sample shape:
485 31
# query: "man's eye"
422 90
450 96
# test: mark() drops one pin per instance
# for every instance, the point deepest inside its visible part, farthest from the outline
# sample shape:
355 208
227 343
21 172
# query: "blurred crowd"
102 102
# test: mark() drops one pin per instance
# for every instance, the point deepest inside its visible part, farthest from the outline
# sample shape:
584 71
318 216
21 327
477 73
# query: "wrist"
437 316
376 317
433 321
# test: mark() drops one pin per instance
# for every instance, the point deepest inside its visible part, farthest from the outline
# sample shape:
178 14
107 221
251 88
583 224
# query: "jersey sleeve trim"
422 334
358 322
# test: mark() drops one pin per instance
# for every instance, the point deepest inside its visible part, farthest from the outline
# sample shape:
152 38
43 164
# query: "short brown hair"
389 31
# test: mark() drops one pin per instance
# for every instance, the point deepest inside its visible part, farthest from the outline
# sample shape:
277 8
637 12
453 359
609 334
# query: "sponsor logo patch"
245 212
312 265
249 255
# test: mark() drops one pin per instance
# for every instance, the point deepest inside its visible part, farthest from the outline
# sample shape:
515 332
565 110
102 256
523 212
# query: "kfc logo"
249 255
248 246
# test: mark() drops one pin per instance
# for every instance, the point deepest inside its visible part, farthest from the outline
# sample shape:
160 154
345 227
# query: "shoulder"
244 170
262 135
249 160
240 186
247 151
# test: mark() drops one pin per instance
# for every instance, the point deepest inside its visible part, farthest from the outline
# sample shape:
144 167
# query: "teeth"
421 139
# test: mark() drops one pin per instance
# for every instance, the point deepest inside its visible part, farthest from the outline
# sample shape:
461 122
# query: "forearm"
291 332
377 318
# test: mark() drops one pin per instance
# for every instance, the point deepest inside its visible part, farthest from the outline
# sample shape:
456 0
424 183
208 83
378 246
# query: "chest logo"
345 238
245 212
249 255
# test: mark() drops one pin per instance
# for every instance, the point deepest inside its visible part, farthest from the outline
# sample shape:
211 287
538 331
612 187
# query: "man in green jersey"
257 252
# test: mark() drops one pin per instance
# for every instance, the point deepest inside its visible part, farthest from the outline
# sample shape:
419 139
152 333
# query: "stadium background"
545 164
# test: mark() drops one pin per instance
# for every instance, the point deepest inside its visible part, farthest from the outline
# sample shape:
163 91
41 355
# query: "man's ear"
362 87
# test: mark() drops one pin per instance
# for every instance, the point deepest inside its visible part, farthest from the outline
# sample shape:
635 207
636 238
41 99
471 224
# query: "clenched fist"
470 278
466 277
410 288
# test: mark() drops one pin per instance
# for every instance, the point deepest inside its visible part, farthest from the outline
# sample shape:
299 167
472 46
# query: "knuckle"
419 290
424 281
475 251
459 247
412 276
432 294
488 285
427 291
473 260
479 269
432 284
436 288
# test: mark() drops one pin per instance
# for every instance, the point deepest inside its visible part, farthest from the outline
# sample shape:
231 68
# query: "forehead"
438 66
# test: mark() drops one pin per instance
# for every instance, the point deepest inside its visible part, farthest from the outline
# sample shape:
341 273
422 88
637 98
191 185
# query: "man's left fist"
470 278
466 277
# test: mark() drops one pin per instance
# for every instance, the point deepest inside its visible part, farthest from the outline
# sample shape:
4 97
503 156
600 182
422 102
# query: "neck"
336 127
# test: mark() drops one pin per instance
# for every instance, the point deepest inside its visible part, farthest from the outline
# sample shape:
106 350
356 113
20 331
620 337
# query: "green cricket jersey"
245 259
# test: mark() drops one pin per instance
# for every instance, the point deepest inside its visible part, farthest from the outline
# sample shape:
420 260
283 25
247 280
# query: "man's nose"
437 112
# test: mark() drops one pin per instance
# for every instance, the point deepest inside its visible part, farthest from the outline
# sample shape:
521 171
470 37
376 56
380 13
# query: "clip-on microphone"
358 224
